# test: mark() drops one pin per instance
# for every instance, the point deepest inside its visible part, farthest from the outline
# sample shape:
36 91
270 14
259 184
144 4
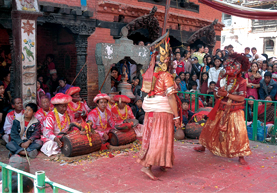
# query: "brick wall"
99 36
53 39
103 35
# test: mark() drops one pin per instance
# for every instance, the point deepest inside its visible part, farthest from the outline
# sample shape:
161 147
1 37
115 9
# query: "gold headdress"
159 61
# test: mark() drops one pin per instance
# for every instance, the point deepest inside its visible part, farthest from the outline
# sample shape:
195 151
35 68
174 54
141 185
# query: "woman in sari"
253 79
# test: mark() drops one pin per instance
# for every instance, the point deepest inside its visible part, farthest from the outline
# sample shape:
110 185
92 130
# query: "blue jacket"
20 133
265 90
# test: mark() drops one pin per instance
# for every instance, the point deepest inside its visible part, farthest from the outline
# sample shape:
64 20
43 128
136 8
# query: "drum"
193 130
75 144
118 138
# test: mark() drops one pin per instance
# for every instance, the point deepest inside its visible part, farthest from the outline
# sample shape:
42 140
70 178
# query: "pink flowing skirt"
157 140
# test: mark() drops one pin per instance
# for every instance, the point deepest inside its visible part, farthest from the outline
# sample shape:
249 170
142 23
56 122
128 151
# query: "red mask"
232 67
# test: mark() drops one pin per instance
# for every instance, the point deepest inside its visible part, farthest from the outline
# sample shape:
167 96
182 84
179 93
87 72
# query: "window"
227 19
269 45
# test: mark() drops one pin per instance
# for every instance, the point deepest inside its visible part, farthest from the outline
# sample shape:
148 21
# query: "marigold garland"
59 121
87 128
100 120
74 110
126 112
45 112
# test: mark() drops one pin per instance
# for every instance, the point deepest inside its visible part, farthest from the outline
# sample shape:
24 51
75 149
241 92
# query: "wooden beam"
167 6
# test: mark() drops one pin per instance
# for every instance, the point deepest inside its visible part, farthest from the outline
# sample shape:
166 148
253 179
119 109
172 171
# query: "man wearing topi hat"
56 121
121 111
101 116
77 106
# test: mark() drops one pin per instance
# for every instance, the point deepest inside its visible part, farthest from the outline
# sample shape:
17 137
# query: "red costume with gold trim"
225 132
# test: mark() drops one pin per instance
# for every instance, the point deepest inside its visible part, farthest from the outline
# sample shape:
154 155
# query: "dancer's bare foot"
163 168
148 172
242 161
199 149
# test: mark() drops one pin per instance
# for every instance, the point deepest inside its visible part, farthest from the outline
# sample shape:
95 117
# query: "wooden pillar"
24 32
81 81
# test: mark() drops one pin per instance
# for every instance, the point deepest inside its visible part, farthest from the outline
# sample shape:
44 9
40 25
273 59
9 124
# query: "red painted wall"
121 7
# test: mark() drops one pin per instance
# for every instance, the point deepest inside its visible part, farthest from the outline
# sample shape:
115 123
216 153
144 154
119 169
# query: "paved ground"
192 172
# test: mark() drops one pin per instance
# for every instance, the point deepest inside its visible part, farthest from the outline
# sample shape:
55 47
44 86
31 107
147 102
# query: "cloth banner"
241 11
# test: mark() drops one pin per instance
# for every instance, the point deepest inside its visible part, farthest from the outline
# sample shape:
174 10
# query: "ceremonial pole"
167 6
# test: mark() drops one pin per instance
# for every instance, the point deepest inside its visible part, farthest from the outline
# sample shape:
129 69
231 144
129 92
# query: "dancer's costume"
158 134
225 132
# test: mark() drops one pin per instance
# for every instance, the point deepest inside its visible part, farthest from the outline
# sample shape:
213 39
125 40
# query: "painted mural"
27 5
28 37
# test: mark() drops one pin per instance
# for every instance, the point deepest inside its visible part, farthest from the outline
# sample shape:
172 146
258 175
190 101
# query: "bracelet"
176 118
227 95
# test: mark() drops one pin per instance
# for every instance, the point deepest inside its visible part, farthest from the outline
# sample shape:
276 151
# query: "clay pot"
179 134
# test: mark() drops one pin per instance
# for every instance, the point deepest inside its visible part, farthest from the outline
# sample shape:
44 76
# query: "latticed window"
269 45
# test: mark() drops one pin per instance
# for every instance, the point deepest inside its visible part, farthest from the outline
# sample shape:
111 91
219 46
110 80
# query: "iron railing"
255 115
40 181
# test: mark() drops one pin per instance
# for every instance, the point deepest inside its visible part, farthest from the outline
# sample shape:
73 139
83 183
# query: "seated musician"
25 133
101 117
78 107
44 110
56 121
18 111
121 111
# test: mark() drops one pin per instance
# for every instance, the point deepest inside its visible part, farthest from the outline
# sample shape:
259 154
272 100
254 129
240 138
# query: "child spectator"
193 85
214 71
177 82
53 82
44 86
25 133
274 69
180 64
187 79
264 68
200 104
50 63
183 82
187 61
136 88
115 74
211 87
204 84
63 86
269 68
196 67
210 63
187 114
267 86
40 92
138 110
194 78
249 110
